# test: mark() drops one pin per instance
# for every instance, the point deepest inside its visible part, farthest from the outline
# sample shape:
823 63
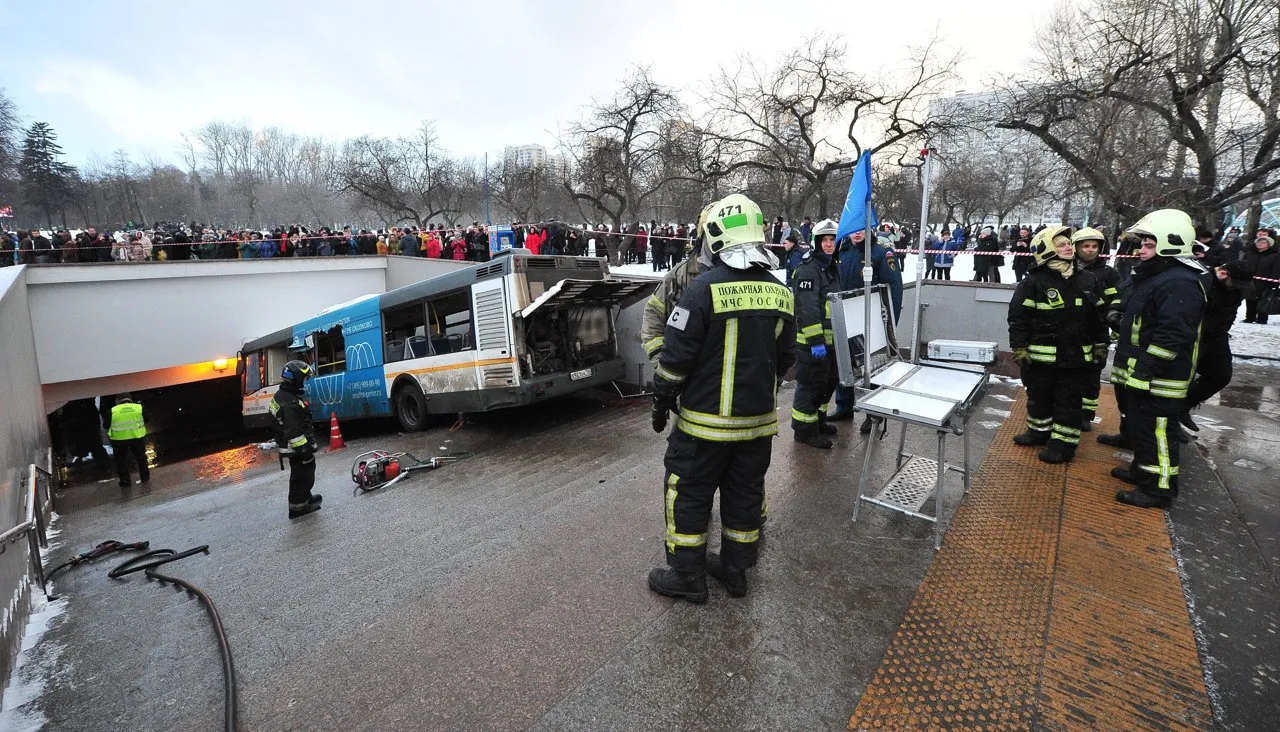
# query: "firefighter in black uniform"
1057 333
816 375
726 345
296 437
1156 354
1091 256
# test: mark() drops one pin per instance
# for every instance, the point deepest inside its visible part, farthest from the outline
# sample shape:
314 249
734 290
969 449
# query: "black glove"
662 406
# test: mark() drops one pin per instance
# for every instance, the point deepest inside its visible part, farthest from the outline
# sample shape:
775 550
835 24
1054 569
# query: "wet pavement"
507 591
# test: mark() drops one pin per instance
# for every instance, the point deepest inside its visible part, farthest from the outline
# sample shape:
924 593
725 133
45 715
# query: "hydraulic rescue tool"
379 469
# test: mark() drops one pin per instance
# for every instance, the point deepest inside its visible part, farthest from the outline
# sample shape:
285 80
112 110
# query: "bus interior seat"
393 348
441 345
416 347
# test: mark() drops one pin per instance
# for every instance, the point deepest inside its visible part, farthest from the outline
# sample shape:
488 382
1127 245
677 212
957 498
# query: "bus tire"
411 408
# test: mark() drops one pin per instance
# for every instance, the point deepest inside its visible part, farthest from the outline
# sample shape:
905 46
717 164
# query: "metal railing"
37 494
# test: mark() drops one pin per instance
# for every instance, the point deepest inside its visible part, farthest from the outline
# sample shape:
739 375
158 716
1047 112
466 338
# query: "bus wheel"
411 409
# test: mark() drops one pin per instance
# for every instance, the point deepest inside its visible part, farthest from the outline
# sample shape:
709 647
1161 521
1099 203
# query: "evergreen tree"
46 180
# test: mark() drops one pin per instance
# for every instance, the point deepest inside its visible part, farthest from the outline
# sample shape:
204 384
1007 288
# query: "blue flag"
854 215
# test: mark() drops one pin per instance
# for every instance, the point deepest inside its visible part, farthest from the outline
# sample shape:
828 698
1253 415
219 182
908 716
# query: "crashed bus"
514 331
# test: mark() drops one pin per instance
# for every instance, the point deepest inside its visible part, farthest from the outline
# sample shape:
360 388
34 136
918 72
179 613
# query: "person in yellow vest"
127 434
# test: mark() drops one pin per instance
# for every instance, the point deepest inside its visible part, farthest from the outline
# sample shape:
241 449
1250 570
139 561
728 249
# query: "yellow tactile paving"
1050 606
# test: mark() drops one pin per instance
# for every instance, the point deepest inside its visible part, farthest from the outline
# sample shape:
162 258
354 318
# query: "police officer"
816 376
884 270
127 433
1057 333
726 345
1091 253
664 299
1156 354
296 436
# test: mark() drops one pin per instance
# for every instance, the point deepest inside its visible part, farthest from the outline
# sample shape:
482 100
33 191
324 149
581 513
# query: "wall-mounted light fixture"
220 364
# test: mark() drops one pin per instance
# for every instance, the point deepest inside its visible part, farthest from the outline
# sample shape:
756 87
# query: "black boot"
733 579
1143 499
1188 422
813 439
315 498
1056 452
691 586
826 428
1087 424
865 427
839 416
1124 474
302 509
1119 441
1031 438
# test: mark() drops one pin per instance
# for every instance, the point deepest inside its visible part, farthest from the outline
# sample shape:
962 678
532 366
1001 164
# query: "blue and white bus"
513 331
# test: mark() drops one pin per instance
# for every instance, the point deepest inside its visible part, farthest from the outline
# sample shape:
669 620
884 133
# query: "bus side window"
252 372
331 351
451 321
402 331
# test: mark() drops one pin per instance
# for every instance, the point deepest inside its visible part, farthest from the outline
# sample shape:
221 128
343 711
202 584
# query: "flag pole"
866 298
920 237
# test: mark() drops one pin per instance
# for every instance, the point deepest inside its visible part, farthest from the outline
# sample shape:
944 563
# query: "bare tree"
621 152
1172 102
810 117
407 179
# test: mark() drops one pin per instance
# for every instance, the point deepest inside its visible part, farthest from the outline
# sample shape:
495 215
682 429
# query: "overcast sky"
136 73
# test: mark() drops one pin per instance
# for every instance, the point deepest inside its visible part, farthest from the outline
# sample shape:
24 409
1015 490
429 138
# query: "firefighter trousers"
1092 388
816 381
694 470
1053 400
122 450
1152 421
302 476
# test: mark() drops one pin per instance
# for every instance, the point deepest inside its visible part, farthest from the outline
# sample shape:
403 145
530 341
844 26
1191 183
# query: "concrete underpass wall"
403 271
24 439
100 320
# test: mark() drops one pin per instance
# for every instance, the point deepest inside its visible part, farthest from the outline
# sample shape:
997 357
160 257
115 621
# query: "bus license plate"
579 375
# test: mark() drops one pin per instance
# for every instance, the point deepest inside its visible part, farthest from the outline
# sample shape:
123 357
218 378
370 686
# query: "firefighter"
128 434
816 376
1091 256
884 270
296 437
1159 339
1057 333
674 282
726 345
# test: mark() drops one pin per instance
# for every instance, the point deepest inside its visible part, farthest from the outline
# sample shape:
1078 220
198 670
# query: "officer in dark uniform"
1156 354
884 270
1091 256
816 374
1213 367
1057 334
296 437
726 345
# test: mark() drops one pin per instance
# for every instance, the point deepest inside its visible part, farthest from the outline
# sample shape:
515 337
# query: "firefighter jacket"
1057 320
727 343
660 304
294 430
811 282
126 422
1110 283
1160 331
884 270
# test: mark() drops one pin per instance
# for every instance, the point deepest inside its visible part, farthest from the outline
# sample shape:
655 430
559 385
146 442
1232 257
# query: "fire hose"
147 563
382 469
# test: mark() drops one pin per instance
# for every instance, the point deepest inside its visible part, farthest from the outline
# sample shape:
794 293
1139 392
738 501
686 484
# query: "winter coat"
459 248
409 245
946 260
431 247
1058 320
1265 264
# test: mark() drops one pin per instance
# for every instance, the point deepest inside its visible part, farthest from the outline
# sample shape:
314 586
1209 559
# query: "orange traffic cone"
335 434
